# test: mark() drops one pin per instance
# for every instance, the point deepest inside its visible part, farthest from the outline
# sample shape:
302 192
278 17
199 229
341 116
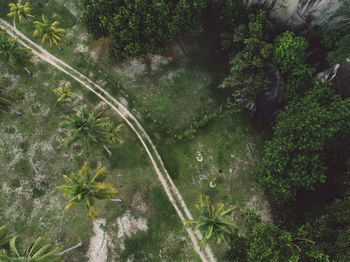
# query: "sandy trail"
171 190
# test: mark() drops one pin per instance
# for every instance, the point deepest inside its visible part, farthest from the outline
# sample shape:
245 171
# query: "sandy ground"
98 249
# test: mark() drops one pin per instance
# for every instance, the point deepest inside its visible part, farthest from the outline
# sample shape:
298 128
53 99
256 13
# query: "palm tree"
4 236
48 32
65 93
90 128
5 99
36 252
213 221
85 187
12 54
20 11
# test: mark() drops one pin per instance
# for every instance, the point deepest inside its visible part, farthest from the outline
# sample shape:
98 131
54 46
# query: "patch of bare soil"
128 226
98 249
139 204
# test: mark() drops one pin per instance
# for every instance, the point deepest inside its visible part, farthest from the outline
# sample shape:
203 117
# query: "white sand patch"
81 49
260 206
98 250
139 203
157 61
133 68
128 226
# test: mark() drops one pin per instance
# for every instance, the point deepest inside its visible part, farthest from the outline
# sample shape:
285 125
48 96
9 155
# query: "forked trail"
170 189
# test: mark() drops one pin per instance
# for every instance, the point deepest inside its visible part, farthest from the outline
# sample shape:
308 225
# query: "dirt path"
170 189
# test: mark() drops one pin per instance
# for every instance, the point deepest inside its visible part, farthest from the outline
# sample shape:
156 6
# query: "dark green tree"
13 55
248 74
302 148
341 53
141 27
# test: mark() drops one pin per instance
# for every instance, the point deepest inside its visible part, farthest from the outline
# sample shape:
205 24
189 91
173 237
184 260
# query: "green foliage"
342 52
331 229
91 128
4 236
84 188
20 12
196 124
65 93
238 248
48 32
298 155
335 36
13 55
39 251
213 222
141 27
6 100
248 74
269 243
289 51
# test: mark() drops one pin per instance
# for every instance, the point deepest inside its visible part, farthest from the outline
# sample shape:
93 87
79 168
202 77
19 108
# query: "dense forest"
305 168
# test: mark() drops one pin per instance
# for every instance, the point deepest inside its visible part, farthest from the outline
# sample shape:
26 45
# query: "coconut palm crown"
13 55
90 128
214 221
4 236
20 11
5 99
84 188
39 251
65 93
48 32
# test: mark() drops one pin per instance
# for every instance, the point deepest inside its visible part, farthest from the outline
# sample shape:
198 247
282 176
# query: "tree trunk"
70 249
108 151
27 70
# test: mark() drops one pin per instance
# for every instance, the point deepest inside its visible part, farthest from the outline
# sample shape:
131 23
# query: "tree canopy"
141 27
305 137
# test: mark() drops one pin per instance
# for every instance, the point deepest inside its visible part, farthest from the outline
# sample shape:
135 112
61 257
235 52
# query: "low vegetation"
47 131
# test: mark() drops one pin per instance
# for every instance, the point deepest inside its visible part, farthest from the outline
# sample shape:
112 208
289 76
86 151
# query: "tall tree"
90 128
48 32
84 188
39 251
214 221
304 146
13 55
248 74
20 12
141 27
4 236
5 99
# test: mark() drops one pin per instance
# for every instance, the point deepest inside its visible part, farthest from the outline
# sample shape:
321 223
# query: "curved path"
163 176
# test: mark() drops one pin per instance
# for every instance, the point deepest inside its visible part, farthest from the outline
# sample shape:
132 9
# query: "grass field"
166 92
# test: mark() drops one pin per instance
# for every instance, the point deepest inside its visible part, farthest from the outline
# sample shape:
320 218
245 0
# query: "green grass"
166 99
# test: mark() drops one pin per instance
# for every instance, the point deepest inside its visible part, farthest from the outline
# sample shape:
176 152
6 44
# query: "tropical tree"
65 93
90 128
20 12
84 188
213 222
5 99
48 31
39 251
13 55
4 236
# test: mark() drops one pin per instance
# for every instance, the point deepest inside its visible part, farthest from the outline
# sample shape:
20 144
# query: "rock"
339 78
298 13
